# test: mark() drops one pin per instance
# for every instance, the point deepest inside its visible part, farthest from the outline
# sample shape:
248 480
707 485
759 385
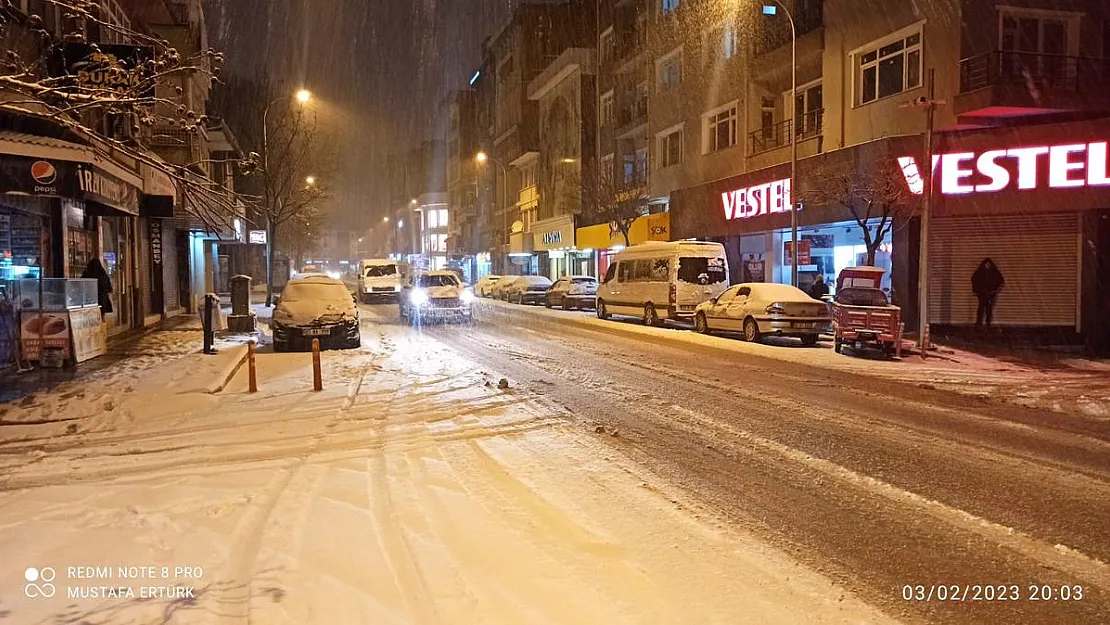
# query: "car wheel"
566 306
651 318
547 302
602 312
701 324
809 340
751 330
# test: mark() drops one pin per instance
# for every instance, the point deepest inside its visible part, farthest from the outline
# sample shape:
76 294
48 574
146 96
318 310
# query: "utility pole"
929 104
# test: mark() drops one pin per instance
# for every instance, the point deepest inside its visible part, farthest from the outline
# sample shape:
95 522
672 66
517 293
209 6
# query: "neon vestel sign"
761 199
1068 166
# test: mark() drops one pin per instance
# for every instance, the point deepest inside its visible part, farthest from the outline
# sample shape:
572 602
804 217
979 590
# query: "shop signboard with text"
41 330
553 234
105 188
37 176
90 335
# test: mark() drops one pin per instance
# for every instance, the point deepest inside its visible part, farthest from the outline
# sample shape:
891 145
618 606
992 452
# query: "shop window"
889 67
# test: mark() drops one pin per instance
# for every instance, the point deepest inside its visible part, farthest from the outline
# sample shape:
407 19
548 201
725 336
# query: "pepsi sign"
36 176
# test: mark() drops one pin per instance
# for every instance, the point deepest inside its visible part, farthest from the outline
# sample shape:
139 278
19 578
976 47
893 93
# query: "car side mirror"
713 300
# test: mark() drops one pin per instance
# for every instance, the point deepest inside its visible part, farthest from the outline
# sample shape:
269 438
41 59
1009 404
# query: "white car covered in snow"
764 309
527 290
485 285
380 278
315 307
657 281
435 296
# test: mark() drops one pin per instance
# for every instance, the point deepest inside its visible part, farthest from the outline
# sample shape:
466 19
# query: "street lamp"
482 158
771 8
310 181
302 96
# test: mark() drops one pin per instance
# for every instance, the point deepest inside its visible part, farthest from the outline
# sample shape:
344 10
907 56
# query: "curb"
229 372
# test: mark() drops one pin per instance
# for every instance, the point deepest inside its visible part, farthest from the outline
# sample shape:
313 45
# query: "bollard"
250 368
206 323
317 380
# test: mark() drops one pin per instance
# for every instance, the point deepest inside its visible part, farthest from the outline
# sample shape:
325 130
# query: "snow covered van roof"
697 248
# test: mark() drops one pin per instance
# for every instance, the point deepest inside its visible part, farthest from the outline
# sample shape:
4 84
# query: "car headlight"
396 288
334 275
466 297
418 297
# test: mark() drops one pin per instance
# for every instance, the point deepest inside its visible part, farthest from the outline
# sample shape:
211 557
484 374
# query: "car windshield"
437 280
585 280
381 271
861 297
698 270
315 292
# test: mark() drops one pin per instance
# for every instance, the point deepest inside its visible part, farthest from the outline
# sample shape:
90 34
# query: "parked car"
380 278
764 309
435 296
572 292
497 291
315 307
657 281
527 290
484 286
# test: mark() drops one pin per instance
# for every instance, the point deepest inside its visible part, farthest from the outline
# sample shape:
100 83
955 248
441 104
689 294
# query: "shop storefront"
554 246
599 242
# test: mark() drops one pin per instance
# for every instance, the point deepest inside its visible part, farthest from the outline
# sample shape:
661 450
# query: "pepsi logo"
43 172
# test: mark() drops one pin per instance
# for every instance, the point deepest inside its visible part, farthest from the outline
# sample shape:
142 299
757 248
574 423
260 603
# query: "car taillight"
775 309
673 293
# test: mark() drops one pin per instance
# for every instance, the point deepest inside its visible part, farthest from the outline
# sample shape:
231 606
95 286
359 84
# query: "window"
660 270
1034 41
668 5
625 270
724 43
744 291
607 108
720 129
629 169
701 270
670 148
670 70
889 67
607 168
528 175
443 218
767 118
808 108
641 165
611 272
608 45
642 272
433 219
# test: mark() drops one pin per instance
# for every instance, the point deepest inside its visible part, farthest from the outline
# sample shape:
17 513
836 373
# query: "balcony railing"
778 135
632 116
1034 69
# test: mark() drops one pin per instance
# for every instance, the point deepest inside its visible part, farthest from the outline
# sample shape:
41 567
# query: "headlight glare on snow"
419 297
466 297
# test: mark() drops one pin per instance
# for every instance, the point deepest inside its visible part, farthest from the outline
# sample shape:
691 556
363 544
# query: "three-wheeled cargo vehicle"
862 316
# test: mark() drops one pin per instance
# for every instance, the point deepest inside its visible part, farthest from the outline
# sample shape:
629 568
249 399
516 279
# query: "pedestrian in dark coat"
95 270
986 282
819 288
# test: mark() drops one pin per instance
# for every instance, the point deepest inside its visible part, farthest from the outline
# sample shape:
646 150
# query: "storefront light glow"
1069 166
762 199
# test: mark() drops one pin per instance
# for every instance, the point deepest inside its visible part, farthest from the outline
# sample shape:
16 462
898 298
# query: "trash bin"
240 295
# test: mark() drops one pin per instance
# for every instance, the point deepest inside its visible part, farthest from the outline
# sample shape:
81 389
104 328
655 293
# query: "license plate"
804 324
317 331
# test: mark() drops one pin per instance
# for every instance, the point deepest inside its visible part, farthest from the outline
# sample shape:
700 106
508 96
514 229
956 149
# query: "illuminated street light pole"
772 9
481 158
302 96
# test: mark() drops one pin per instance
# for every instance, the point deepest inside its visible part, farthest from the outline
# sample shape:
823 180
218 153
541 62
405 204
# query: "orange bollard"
317 380
253 388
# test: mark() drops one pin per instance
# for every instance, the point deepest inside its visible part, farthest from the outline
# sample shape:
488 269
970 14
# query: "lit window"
433 219
724 42
443 217
720 129
890 67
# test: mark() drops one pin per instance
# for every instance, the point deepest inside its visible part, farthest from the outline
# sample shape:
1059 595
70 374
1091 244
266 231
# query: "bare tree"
875 194
604 200
113 103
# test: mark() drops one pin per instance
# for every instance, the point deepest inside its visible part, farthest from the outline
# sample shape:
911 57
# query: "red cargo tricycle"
862 316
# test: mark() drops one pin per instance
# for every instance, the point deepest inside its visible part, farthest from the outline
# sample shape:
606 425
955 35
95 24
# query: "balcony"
632 118
778 135
1005 84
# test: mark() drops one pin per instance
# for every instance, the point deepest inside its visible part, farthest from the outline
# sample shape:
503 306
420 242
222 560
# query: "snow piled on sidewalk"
410 490
1081 387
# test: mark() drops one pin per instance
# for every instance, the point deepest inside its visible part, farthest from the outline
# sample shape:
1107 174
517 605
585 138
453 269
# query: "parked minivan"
657 281
380 278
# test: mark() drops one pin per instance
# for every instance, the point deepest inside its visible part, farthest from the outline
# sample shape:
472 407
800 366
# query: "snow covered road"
411 490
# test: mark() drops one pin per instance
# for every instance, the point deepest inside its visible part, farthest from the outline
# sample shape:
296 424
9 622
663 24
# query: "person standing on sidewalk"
95 270
986 282
818 289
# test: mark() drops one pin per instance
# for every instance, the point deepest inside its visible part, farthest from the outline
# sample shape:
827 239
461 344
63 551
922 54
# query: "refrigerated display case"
60 314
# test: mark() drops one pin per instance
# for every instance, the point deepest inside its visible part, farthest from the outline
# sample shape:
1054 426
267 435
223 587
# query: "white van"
657 281
380 278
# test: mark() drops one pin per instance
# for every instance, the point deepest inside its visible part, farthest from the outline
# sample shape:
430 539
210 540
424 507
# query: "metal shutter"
1038 256
169 267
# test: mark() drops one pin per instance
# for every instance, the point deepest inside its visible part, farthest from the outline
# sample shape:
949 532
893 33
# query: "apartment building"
1020 123
465 186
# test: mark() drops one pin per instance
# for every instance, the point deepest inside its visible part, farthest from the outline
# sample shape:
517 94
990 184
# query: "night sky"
381 68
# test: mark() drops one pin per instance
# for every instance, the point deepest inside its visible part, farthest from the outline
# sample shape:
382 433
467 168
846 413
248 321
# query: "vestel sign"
762 199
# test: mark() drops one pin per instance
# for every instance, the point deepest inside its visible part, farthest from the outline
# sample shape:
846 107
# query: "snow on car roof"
536 278
778 291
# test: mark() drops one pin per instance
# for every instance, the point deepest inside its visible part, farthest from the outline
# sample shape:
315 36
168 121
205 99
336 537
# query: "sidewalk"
1065 384
174 339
